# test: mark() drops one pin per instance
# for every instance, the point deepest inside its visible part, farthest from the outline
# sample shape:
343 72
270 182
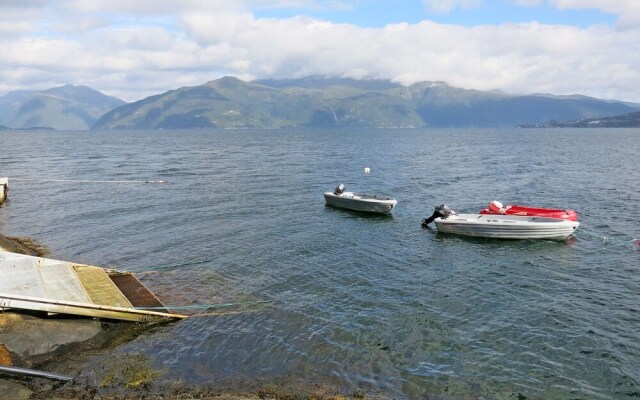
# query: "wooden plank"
100 288
135 291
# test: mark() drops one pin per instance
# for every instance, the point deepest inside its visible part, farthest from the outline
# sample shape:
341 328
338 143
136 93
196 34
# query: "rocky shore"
63 345
22 245
79 348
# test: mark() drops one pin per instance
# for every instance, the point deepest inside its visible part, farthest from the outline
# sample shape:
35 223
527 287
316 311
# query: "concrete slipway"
53 286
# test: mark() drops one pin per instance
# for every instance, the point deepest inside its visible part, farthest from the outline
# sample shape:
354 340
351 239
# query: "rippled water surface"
372 304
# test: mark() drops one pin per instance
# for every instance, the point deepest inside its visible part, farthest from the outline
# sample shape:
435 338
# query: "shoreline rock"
33 335
22 245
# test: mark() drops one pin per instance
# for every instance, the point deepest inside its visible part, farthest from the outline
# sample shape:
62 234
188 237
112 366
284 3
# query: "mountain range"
316 102
319 102
67 107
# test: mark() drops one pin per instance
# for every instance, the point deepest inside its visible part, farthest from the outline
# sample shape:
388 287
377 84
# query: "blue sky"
378 13
137 48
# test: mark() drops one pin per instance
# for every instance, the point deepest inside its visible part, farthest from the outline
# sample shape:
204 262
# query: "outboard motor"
339 190
441 211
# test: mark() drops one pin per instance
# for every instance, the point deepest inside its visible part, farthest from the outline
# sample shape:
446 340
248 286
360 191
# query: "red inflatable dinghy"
495 207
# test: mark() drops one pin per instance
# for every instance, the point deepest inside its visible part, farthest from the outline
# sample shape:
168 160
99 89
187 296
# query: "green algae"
131 371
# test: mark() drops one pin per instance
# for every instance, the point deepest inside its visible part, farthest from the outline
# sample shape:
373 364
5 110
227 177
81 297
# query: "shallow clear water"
363 302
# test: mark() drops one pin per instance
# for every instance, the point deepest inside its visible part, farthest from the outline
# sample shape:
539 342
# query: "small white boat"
501 226
360 201
4 189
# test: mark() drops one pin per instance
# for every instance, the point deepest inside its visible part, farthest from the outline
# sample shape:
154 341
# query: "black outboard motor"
442 211
339 190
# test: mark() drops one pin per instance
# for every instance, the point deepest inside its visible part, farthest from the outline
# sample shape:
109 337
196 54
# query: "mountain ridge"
229 102
315 101
67 107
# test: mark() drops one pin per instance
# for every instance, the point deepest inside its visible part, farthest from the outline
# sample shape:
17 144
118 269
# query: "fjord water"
367 303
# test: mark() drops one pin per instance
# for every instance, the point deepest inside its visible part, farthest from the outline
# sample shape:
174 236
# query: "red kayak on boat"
495 207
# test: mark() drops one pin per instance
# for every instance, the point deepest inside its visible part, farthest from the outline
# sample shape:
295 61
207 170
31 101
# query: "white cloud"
614 6
522 57
16 28
150 7
134 51
628 11
80 25
445 6
18 18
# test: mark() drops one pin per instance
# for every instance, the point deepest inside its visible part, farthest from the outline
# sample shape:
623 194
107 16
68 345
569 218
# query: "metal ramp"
43 284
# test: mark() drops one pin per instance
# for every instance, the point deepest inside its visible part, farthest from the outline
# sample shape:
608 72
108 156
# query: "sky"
132 49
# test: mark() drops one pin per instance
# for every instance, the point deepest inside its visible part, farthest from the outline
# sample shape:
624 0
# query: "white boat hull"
506 226
361 202
4 189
